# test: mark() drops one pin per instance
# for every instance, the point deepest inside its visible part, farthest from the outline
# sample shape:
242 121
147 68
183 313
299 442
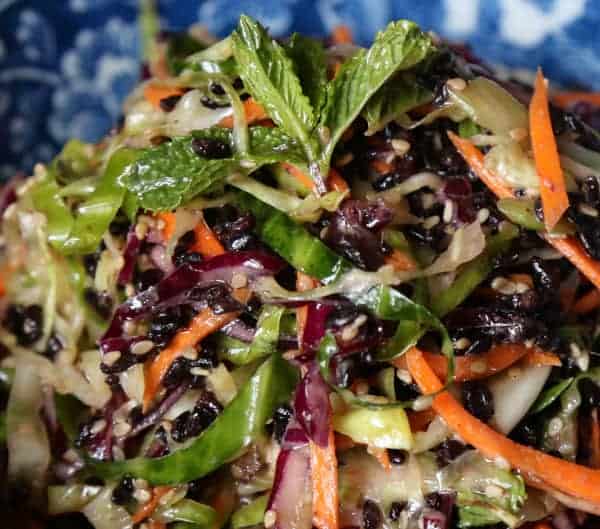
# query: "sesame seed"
588 210
430 222
71 456
199 372
404 376
141 230
422 403
518 134
98 426
140 483
121 428
239 280
129 327
324 135
493 491
448 211
504 286
323 233
401 147
462 343
129 290
111 357
555 426
168 497
428 200
483 215
479 366
576 351
142 495
375 399
141 348
521 287
247 164
529 342
270 518
190 353
160 224
167 425
456 84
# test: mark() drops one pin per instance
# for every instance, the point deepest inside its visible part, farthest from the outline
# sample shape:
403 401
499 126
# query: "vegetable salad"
307 284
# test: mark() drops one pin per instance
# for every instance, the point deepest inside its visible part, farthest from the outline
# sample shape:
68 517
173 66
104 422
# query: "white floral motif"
99 72
222 15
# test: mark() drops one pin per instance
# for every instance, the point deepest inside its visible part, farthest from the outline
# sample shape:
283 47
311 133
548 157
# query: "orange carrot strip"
206 243
336 182
570 247
169 221
542 525
570 478
588 302
5 273
303 178
565 99
154 94
474 158
419 420
341 35
400 261
303 283
149 507
552 181
382 456
474 367
537 357
203 324
254 112
324 472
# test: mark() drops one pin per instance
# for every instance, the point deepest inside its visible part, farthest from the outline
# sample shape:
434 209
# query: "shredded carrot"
169 223
570 478
547 162
382 456
154 94
474 158
537 357
474 367
419 420
400 261
5 273
299 175
206 243
565 99
254 112
203 324
324 473
303 283
336 182
588 302
570 247
341 35
148 508
382 167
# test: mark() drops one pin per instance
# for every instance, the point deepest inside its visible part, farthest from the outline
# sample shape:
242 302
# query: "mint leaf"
311 67
393 99
173 173
268 74
399 47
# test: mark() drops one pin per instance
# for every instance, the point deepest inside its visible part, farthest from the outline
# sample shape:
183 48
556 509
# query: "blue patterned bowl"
65 65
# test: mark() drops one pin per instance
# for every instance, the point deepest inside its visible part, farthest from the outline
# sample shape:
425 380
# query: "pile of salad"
307 284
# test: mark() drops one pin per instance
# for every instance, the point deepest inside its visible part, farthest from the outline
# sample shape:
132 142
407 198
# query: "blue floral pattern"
66 65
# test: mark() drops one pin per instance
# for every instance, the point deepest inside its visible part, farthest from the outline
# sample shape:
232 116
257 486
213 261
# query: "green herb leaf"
399 47
311 67
268 74
394 99
167 175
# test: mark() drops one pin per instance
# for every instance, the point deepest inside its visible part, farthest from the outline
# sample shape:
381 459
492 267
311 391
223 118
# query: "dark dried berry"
396 510
192 423
90 263
397 457
25 323
211 103
342 316
449 450
118 227
181 256
219 299
372 518
178 372
148 278
478 400
166 323
208 358
101 302
123 492
167 104
210 148
527 432
281 418
591 191
217 89
237 235
238 84
53 347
